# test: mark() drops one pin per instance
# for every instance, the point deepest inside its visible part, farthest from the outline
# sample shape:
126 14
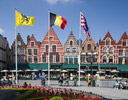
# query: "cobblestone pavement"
115 94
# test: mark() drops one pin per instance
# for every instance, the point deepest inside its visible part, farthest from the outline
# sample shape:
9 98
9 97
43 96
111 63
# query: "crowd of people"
121 85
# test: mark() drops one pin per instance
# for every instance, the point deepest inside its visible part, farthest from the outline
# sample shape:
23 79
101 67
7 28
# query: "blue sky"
101 15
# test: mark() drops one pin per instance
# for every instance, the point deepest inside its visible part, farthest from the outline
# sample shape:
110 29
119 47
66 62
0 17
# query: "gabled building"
32 50
71 50
20 50
5 57
89 52
108 50
122 49
56 48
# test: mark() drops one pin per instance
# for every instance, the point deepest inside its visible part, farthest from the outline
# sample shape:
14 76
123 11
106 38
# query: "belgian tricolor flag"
57 20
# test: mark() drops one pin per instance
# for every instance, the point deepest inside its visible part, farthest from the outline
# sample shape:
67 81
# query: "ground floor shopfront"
71 69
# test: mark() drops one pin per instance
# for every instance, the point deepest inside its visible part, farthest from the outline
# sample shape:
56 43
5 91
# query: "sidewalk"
115 94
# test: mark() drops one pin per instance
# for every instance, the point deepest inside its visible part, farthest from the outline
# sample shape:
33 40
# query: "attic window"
124 43
32 43
71 43
107 41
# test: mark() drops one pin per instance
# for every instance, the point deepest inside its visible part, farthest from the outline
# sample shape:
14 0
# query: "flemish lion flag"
24 20
57 20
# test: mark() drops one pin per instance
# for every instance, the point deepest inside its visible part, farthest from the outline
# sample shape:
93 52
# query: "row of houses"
105 55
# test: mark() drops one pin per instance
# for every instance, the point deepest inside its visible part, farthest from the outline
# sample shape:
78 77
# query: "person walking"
89 80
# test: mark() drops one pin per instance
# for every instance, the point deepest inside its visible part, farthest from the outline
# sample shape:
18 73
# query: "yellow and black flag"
57 20
24 20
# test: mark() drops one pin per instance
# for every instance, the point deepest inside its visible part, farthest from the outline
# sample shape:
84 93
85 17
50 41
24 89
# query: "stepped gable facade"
71 50
108 50
122 49
56 48
21 47
32 50
89 52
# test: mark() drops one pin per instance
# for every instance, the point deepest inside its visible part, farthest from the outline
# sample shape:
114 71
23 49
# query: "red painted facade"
122 49
108 50
32 50
56 49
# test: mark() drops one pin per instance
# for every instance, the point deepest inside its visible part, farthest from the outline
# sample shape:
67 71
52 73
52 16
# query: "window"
73 49
54 48
57 58
29 59
107 41
22 60
104 50
124 43
120 60
35 51
66 59
29 51
104 59
94 48
126 60
82 48
70 60
89 59
82 58
110 59
44 58
126 52
67 49
94 59
71 43
120 52
75 60
32 43
51 58
46 48
19 43
35 59
111 50
89 47
22 51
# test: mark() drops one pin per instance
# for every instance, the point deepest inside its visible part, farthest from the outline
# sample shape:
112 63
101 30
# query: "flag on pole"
84 25
21 19
57 20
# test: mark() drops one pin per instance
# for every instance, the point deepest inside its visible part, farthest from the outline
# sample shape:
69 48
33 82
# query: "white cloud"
1 31
61 1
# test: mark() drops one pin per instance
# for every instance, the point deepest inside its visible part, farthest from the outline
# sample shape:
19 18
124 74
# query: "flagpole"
79 48
16 46
48 48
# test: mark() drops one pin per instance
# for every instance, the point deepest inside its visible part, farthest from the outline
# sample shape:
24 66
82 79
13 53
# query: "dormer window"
107 41
32 43
124 43
71 43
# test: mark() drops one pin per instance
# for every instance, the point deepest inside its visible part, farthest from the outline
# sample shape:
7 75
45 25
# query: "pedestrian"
60 80
89 80
116 84
25 85
75 80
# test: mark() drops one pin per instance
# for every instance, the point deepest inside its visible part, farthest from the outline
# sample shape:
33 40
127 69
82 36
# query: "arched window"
110 59
104 50
71 43
89 47
107 41
104 59
111 50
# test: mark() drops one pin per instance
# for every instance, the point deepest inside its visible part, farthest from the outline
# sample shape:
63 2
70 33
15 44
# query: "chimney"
28 38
